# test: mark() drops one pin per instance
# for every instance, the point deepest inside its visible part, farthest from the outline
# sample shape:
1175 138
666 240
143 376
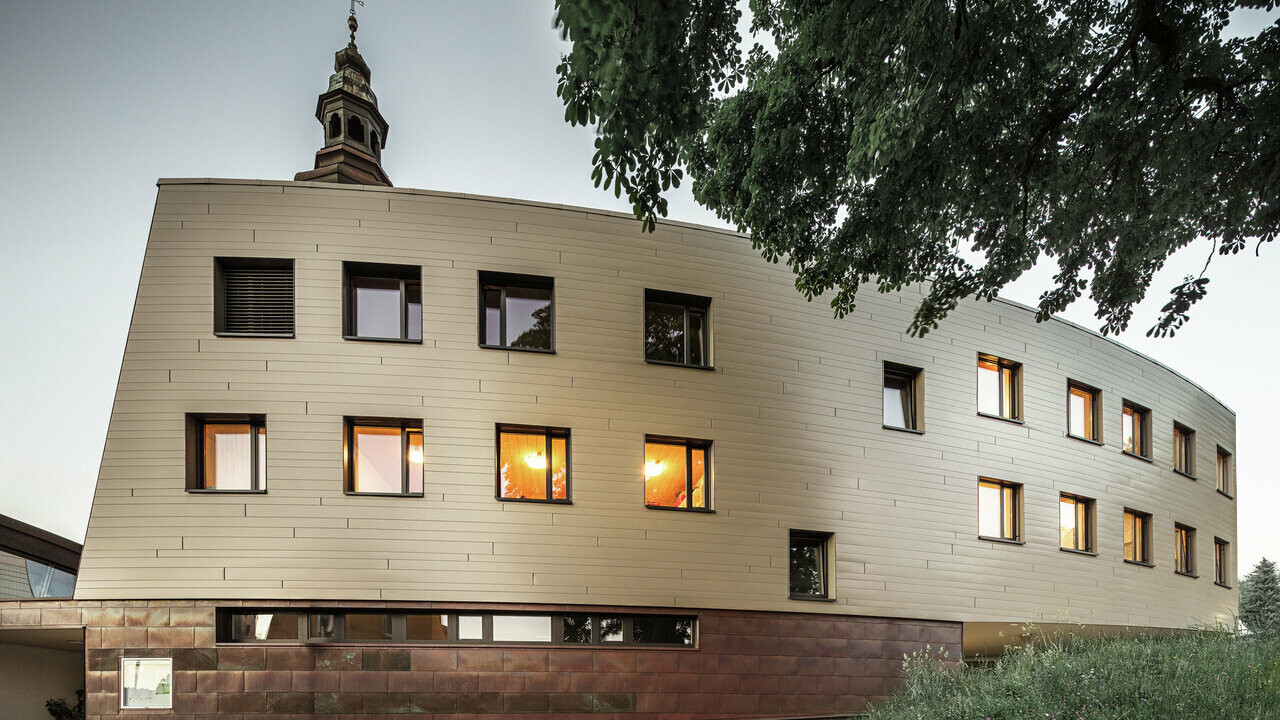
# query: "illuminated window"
676 328
383 302
903 397
677 473
999 387
1224 471
1075 523
533 463
517 311
1184 450
1135 430
808 565
999 510
1221 562
1184 550
1137 537
1084 412
227 453
383 456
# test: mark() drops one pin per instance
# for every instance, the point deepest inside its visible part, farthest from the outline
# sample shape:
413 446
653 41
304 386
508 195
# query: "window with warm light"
1083 412
1076 523
677 473
677 329
999 387
1184 550
808 565
999 510
1224 471
1221 562
1137 537
226 453
517 312
383 456
382 302
533 463
903 397
1135 430
1184 450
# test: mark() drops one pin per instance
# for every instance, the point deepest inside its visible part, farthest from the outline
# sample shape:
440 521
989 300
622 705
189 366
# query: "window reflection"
808 564
577 628
998 387
901 402
385 302
675 328
662 629
611 629
518 311
49 582
522 628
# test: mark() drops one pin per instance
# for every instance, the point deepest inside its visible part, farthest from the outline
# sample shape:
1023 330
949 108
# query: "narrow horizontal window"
677 473
1184 549
999 387
1083 412
383 302
384 456
1137 537
999 510
253 296
1184 449
533 463
264 627
1075 523
1135 429
677 328
226 452
808 565
517 311
903 397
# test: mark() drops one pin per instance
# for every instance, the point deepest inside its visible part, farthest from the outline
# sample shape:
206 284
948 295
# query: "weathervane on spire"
351 20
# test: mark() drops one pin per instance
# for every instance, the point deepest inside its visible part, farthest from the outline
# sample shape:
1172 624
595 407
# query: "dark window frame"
1143 528
1223 467
503 281
1142 428
690 305
1015 387
549 434
1090 530
1019 537
690 444
1095 411
823 542
1221 562
195 469
221 265
910 382
406 425
1184 463
1184 550
409 276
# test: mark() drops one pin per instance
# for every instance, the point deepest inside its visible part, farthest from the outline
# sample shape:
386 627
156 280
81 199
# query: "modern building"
377 450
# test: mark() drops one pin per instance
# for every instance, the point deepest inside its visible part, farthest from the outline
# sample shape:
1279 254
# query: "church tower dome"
354 130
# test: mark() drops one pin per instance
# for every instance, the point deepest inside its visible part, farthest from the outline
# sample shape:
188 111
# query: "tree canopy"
954 141
1260 598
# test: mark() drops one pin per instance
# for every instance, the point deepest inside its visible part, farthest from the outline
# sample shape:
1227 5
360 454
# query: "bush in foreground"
1192 676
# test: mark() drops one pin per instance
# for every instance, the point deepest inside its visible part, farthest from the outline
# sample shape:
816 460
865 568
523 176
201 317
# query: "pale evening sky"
103 98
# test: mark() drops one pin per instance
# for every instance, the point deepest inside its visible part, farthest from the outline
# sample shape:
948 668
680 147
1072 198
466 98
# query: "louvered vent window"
253 296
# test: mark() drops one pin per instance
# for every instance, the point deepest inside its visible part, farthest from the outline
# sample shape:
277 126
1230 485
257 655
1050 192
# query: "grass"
1201 675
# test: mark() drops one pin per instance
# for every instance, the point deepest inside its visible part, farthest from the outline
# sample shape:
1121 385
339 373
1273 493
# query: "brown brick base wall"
746 665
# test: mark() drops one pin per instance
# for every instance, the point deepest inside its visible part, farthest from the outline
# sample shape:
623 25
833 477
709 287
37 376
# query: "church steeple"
354 131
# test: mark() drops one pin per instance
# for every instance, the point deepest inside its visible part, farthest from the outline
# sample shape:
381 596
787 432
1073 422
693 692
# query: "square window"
226 453
1184 450
808 564
903 397
1076 523
1084 407
1224 471
677 473
383 456
999 510
533 463
1135 430
253 297
1221 562
1137 537
146 683
999 387
322 626
1184 550
677 329
517 311
577 628
382 302
471 627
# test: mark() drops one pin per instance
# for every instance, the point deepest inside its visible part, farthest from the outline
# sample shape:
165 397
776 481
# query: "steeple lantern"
354 130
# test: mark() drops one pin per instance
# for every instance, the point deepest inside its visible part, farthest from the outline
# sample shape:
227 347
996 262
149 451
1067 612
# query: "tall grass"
1203 675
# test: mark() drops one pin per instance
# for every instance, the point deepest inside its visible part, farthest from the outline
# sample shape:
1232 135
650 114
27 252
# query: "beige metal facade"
793 407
